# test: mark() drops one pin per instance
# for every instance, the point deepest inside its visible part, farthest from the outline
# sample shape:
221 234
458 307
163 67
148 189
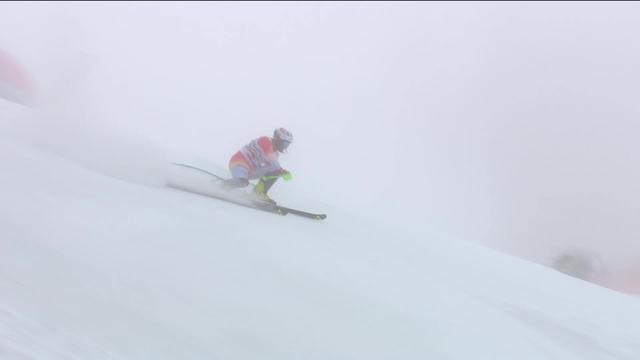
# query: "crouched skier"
259 160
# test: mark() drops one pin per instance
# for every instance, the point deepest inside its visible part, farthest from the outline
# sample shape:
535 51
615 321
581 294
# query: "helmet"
281 139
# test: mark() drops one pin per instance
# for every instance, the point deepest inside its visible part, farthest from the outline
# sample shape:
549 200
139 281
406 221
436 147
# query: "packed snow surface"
94 267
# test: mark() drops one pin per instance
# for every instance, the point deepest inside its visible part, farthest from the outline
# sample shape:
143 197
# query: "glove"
286 175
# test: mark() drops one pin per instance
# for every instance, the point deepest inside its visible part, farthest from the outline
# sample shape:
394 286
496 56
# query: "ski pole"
271 177
216 177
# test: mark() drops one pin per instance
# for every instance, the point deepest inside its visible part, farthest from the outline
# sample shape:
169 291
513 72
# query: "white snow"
423 130
93 267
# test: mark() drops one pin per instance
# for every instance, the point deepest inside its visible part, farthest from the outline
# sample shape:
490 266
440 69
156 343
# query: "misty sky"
510 124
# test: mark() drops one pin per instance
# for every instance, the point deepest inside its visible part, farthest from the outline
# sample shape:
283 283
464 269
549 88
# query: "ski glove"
286 175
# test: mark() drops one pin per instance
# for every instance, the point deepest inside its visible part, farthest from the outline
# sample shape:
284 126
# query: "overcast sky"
510 124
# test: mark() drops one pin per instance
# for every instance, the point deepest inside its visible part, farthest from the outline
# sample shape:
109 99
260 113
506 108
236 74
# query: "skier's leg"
264 185
268 183
235 183
240 176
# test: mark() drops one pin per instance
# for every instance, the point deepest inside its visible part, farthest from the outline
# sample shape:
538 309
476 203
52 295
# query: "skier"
259 159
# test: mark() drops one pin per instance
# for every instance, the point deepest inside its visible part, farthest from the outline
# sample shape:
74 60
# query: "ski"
250 204
305 214
259 205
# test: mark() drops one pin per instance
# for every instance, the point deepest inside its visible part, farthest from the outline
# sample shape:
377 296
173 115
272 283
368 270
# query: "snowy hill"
424 130
94 267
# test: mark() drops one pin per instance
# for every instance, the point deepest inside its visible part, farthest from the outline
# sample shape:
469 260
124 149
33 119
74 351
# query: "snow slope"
93 267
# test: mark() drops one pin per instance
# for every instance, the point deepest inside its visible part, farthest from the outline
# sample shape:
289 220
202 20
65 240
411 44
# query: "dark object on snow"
577 264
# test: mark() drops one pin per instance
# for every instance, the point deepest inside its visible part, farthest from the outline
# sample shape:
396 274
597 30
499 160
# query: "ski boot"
235 183
260 191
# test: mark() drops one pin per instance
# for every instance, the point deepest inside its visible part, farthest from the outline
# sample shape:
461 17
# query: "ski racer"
259 160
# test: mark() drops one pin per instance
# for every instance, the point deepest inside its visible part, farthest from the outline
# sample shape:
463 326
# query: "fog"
509 124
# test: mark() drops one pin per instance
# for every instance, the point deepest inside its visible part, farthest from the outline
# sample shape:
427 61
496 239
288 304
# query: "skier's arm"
283 173
272 157
279 171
